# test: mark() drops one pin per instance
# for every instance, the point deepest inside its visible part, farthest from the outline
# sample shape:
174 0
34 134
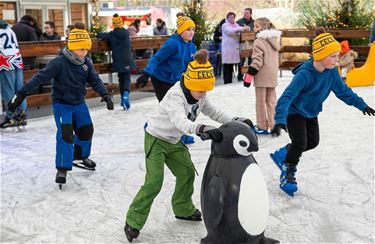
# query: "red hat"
344 47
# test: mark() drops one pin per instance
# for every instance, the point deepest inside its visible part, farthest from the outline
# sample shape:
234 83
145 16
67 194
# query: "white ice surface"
335 201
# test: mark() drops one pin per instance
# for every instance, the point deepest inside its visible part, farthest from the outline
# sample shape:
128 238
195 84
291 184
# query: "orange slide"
365 75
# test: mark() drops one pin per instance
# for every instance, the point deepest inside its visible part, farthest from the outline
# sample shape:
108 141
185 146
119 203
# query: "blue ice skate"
259 131
279 157
287 180
186 139
125 101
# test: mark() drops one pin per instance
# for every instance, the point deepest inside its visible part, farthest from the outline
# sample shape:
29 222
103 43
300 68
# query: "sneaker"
130 232
279 157
20 118
186 139
60 177
125 100
86 163
196 216
287 180
260 131
7 123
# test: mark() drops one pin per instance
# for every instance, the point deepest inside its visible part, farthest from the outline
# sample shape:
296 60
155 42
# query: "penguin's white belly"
253 202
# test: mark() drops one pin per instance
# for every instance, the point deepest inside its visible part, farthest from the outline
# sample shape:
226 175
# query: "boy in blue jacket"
123 60
70 72
298 107
167 65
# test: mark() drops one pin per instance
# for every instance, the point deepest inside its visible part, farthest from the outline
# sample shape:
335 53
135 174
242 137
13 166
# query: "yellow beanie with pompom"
199 75
79 39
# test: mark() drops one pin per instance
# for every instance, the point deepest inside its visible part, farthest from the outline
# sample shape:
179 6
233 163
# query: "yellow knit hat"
184 23
79 39
324 45
117 21
199 75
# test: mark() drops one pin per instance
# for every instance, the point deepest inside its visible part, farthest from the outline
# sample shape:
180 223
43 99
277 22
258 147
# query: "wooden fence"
38 49
301 33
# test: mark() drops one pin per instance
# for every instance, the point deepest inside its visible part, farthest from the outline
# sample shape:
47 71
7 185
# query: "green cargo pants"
177 158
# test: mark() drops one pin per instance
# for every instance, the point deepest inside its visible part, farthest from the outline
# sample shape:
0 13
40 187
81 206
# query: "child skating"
175 115
298 107
70 72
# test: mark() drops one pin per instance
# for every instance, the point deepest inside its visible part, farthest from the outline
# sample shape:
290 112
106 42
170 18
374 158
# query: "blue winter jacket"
171 59
69 80
123 60
309 89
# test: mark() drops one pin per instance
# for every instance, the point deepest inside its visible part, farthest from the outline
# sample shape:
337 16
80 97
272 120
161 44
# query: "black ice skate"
60 177
7 123
196 216
21 118
130 232
85 164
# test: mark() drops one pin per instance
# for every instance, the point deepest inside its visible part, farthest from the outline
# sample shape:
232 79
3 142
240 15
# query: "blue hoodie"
309 89
171 59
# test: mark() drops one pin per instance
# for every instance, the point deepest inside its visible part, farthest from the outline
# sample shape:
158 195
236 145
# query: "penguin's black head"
238 140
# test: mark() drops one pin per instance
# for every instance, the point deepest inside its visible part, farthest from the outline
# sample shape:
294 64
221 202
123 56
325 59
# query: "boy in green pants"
175 116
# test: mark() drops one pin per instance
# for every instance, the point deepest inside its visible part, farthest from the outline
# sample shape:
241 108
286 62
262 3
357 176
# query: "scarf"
74 59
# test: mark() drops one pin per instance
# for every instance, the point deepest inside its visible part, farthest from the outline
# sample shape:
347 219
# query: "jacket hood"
119 32
307 65
271 36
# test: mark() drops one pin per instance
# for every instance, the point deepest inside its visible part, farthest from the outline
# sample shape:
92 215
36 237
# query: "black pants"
160 87
304 134
228 73
124 81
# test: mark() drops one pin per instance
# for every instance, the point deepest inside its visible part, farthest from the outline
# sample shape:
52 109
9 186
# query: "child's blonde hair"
265 23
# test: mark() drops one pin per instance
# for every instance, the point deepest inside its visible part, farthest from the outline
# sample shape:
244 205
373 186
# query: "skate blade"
82 167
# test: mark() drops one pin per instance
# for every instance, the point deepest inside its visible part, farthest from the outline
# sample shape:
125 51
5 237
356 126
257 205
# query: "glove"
277 128
206 132
142 81
369 111
244 120
247 79
16 101
108 100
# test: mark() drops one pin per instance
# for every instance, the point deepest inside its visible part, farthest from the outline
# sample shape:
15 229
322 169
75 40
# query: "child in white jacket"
176 115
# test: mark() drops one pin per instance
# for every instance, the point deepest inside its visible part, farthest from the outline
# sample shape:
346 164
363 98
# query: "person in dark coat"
25 31
123 61
49 33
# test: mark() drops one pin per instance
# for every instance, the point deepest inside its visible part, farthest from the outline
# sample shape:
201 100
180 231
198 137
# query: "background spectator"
49 32
134 27
246 20
25 31
160 28
230 45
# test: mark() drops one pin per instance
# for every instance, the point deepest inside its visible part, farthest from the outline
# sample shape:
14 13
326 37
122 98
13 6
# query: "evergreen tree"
335 13
195 11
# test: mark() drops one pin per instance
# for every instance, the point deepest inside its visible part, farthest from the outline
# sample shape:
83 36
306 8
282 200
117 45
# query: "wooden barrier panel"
303 33
37 49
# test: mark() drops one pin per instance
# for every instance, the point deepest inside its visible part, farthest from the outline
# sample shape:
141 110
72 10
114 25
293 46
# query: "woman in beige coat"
264 66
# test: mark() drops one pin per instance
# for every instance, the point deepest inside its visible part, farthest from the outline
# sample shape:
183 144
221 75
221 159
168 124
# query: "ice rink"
335 201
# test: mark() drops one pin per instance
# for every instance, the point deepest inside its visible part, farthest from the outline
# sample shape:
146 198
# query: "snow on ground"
335 201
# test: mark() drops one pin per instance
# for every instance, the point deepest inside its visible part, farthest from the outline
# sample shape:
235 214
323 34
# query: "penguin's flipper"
213 203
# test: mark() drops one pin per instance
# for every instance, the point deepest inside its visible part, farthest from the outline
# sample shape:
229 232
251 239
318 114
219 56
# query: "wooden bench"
302 33
37 49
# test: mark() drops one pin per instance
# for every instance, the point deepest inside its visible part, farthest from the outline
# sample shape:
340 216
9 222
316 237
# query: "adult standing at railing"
231 45
246 20
25 32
